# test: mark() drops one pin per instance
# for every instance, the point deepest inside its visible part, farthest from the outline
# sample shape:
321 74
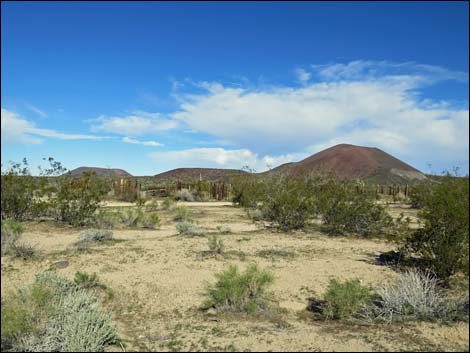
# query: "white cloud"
363 105
302 75
144 143
220 158
15 129
369 69
35 110
137 124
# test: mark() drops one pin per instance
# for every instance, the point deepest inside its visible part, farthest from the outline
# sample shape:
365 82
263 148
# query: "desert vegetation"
289 256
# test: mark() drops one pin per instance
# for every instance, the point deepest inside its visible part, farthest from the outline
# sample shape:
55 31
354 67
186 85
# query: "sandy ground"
158 279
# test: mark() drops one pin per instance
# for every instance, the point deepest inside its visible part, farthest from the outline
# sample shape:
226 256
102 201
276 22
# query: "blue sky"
149 87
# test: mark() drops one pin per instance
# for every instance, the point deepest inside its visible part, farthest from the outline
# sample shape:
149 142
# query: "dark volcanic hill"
355 162
100 171
196 173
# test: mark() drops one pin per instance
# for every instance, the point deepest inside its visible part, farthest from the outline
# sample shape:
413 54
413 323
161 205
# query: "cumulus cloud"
144 143
137 124
367 103
221 158
16 129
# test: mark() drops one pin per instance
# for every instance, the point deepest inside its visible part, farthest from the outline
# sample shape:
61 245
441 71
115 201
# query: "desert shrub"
443 242
415 295
168 203
21 193
131 217
419 193
151 221
216 244
136 217
287 203
247 190
223 229
184 195
345 211
84 280
23 251
345 299
187 228
182 213
54 315
77 198
95 235
11 231
240 292
107 219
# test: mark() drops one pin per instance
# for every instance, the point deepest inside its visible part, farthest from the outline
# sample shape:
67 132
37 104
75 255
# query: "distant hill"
100 171
355 162
196 173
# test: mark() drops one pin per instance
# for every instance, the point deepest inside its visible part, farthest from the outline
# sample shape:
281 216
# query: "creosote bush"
288 203
345 211
345 299
187 228
54 315
240 292
443 242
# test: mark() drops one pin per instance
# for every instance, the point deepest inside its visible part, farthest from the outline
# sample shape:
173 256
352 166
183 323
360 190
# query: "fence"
221 191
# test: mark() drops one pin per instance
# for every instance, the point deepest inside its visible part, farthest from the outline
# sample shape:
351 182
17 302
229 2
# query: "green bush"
11 231
216 244
95 235
345 299
186 228
77 198
443 242
107 219
54 315
288 203
247 190
419 193
136 218
345 211
239 292
21 193
84 280
182 213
